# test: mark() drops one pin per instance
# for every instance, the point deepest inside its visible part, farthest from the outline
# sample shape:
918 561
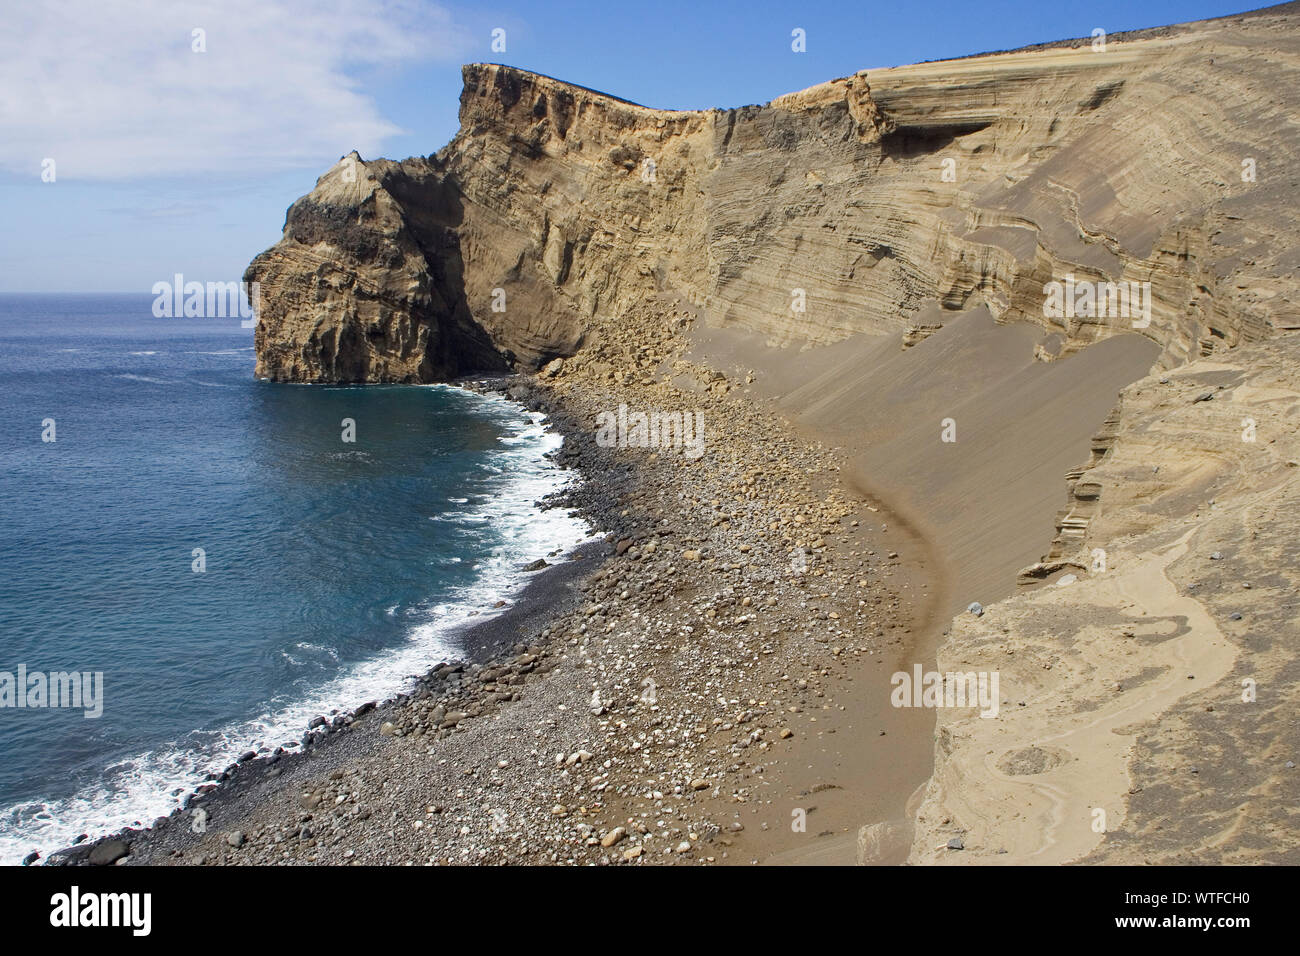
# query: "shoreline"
537 635
540 597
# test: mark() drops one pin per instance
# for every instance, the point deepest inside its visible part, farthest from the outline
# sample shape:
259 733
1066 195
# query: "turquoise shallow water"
333 571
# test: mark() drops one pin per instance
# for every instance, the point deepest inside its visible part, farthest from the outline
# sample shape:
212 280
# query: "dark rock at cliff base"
110 851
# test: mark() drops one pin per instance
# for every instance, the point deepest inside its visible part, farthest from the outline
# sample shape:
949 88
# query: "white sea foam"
149 785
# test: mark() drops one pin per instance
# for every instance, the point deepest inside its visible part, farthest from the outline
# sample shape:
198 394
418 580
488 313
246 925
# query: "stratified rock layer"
863 201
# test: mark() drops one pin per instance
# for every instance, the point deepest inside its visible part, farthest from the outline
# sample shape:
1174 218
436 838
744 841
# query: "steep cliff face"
541 214
367 284
885 202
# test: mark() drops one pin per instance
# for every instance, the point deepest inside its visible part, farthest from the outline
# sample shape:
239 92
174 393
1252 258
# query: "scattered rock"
110 851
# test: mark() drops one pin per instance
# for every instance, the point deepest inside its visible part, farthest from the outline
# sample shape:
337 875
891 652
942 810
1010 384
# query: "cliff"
893 198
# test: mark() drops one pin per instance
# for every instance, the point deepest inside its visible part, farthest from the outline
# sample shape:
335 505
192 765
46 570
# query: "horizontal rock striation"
855 206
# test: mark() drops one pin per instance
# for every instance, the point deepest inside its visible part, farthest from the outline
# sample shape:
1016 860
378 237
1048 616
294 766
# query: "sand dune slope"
1160 690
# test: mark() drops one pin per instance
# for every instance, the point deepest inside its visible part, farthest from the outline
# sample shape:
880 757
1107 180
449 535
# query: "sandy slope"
1124 690
989 499
1080 726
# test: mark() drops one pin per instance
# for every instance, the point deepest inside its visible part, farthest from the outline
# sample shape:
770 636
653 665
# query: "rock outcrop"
848 207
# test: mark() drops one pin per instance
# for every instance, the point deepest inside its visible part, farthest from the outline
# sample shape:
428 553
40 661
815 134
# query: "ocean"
215 548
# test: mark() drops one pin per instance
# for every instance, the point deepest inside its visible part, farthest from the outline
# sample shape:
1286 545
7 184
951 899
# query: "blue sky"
171 160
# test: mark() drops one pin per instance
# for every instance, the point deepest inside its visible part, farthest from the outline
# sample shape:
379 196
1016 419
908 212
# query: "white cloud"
114 90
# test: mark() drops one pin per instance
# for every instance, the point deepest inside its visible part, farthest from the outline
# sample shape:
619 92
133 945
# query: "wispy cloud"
116 90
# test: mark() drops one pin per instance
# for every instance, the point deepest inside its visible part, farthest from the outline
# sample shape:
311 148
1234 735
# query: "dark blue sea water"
333 572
